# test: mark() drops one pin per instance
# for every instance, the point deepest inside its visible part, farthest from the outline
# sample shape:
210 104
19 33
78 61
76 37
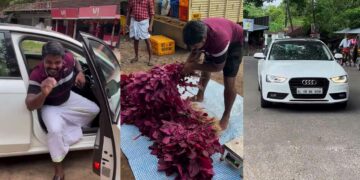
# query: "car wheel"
264 103
342 105
259 87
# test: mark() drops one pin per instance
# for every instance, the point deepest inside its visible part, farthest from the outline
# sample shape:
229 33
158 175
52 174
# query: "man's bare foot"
134 60
224 122
59 177
197 98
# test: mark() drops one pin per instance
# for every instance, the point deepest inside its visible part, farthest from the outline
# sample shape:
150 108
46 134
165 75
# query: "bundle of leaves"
184 138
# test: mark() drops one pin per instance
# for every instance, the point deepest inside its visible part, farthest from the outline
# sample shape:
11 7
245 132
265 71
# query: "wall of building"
32 19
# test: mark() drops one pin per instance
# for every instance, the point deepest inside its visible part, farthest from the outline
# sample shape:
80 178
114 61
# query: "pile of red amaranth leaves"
184 138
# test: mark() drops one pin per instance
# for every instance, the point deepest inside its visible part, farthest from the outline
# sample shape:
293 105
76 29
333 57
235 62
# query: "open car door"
15 118
105 69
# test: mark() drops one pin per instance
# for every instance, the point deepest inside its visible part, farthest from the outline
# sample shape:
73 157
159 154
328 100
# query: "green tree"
277 18
257 3
276 14
333 15
329 15
251 10
352 17
6 3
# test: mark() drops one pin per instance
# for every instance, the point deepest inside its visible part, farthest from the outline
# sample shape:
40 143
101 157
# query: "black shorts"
232 58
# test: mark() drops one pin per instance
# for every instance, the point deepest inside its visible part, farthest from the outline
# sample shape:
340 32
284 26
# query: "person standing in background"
345 49
354 49
41 24
268 40
140 15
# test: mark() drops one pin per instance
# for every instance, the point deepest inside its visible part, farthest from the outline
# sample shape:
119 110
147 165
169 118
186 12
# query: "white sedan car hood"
303 68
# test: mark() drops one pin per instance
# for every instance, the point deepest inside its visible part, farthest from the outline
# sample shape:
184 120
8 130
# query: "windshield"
109 72
299 50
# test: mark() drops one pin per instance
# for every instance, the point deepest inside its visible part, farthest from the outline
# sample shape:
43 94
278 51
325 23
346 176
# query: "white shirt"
345 43
40 25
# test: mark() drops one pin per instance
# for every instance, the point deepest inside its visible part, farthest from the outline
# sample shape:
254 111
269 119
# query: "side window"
8 63
31 49
32 46
109 70
77 56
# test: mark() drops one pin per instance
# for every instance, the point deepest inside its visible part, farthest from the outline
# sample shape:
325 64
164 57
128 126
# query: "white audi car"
301 71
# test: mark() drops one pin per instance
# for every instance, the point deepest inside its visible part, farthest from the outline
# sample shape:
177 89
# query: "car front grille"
295 83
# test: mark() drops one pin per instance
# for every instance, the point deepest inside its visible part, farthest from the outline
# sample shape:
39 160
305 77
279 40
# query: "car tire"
342 105
264 103
259 87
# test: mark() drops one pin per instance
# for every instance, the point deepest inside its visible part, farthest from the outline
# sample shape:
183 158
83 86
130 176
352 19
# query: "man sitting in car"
63 111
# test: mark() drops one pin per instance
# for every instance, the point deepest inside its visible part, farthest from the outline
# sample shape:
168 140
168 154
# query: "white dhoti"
139 30
64 123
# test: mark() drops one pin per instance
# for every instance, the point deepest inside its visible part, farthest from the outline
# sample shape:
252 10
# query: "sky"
275 3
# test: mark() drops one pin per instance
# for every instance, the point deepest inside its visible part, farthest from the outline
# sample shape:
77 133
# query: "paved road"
300 142
39 167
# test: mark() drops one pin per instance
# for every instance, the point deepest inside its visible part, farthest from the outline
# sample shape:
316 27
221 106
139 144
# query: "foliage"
277 18
257 3
330 15
276 14
352 17
184 138
6 3
251 10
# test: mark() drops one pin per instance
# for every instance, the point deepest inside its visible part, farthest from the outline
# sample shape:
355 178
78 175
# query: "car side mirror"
259 56
338 56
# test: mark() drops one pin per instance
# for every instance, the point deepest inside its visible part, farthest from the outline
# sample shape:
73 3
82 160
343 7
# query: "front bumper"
286 93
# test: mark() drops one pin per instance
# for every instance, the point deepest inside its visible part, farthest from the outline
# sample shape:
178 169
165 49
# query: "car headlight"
275 79
340 79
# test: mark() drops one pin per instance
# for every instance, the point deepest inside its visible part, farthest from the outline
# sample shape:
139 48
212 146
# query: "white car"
22 132
301 71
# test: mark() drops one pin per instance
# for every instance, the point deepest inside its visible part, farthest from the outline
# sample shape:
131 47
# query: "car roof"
298 39
33 30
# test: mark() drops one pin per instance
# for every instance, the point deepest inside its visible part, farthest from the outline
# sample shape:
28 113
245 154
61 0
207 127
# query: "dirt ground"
126 53
77 166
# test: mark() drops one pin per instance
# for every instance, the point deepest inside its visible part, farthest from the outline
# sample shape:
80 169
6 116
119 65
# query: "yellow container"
122 20
196 16
162 45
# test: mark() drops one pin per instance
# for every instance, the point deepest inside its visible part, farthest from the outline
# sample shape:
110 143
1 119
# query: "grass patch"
32 47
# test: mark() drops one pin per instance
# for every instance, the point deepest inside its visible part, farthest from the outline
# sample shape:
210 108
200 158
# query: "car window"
32 50
8 64
109 68
299 50
32 47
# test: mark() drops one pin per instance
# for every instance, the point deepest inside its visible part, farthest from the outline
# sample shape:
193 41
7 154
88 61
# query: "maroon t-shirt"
65 81
221 33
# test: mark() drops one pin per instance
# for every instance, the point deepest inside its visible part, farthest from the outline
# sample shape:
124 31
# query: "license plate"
309 90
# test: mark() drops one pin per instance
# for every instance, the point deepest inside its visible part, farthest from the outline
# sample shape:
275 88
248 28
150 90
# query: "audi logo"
308 82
